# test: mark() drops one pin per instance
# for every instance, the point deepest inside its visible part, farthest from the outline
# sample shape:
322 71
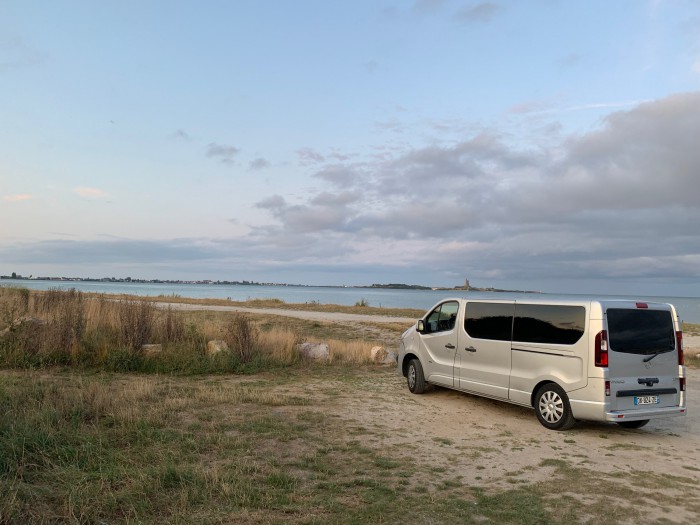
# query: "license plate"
646 400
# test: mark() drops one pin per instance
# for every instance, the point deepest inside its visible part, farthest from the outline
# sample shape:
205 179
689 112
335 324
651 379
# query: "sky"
538 145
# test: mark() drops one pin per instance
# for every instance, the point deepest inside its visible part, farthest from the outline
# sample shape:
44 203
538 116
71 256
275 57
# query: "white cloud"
86 192
18 197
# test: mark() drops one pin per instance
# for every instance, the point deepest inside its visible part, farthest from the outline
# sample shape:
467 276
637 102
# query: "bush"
136 322
241 336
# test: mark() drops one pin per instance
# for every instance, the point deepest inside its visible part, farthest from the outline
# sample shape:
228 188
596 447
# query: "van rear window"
642 332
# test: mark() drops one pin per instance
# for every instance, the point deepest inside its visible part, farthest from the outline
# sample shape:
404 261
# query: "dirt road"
298 314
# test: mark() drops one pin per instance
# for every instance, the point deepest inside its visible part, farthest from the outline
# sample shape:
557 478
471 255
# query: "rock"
379 355
22 323
391 358
215 346
314 350
151 349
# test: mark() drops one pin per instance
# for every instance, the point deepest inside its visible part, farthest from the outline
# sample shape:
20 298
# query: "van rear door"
643 361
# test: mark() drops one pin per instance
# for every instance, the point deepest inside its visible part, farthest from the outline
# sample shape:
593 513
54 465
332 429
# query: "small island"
466 287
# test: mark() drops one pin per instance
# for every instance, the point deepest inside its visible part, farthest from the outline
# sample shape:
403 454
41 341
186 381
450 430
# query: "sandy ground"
496 445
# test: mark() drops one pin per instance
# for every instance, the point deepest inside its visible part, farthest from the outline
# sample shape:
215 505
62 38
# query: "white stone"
314 350
151 349
215 346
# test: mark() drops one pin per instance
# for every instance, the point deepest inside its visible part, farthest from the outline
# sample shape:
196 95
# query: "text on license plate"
646 400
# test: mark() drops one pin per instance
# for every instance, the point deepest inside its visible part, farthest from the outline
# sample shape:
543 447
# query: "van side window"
443 318
489 321
551 324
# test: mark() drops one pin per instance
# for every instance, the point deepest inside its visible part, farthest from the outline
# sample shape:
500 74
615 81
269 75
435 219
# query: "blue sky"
545 145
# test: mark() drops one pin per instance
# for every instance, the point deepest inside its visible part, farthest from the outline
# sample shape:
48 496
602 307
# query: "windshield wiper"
647 359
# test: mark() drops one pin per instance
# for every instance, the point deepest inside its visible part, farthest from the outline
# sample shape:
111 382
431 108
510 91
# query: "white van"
569 359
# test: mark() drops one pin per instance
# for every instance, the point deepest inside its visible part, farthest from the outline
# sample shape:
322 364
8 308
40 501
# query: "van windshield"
642 332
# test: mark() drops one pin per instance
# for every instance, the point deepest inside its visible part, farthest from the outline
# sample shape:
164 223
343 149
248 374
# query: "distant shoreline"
129 280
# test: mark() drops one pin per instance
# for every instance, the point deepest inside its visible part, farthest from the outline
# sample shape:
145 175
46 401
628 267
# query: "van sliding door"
484 348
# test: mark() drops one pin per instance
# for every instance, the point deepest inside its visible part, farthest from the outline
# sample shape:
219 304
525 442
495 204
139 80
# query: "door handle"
450 346
470 349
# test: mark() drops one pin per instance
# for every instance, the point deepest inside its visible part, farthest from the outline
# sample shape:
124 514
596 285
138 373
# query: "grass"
361 307
84 440
90 448
69 328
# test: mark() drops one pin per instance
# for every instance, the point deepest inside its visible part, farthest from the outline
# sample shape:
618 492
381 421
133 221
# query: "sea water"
688 307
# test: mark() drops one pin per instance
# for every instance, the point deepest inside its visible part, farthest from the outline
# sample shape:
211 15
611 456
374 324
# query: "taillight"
682 383
607 389
642 305
679 347
601 349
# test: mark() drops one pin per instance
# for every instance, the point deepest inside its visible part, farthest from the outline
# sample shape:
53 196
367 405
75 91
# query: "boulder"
215 346
314 350
23 323
391 358
377 354
151 349
381 356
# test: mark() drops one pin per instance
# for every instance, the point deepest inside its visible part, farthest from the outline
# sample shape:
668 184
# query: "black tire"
552 407
415 377
633 424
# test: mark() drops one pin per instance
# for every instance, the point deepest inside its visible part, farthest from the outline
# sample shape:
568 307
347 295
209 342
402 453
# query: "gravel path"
298 314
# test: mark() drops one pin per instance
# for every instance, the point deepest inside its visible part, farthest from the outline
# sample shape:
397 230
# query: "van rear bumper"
636 415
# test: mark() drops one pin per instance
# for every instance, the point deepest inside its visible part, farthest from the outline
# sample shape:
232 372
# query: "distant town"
19 277
391 286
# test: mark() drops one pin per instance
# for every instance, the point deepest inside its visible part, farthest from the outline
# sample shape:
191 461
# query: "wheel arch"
540 385
407 359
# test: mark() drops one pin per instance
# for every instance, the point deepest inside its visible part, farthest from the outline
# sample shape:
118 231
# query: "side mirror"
420 326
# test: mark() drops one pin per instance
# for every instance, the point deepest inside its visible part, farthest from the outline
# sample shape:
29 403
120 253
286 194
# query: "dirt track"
299 314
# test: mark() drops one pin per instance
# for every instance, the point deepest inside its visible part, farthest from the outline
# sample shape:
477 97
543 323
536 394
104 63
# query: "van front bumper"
651 413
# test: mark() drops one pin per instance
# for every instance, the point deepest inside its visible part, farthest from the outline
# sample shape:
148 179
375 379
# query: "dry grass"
69 328
271 303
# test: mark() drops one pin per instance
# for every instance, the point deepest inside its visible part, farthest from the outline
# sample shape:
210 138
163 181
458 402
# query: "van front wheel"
552 407
415 377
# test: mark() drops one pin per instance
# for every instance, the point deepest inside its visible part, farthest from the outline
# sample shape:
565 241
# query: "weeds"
242 336
69 328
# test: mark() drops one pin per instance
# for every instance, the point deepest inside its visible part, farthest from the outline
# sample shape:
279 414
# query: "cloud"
18 197
478 13
371 66
427 6
181 135
582 207
597 211
90 192
225 154
570 60
15 53
308 156
258 164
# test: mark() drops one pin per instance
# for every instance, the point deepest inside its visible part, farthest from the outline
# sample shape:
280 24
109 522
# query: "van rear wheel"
415 377
552 407
633 424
